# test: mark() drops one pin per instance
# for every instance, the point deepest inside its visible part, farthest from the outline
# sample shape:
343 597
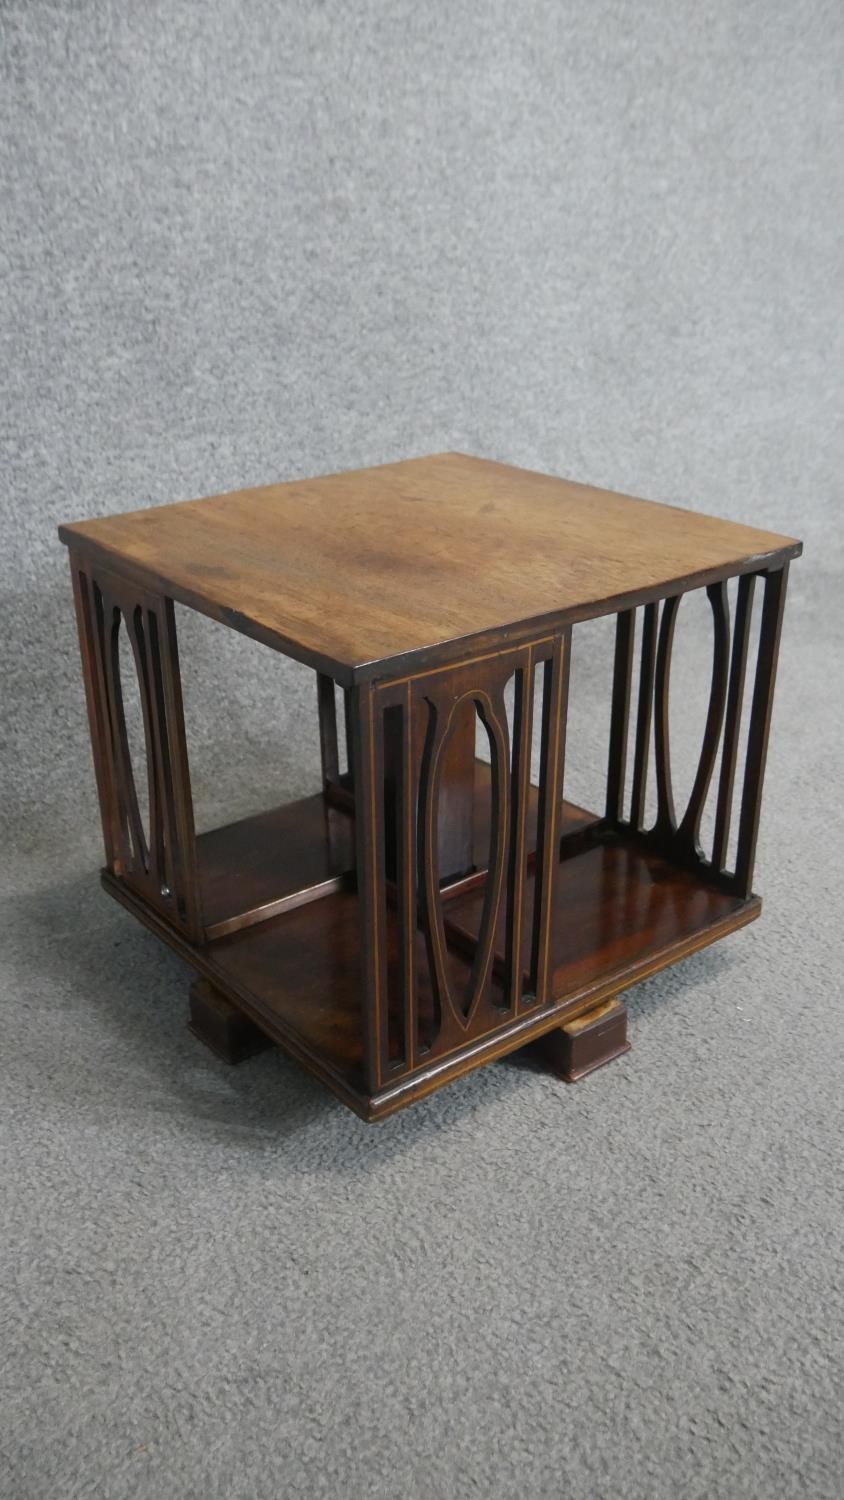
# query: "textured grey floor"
242 243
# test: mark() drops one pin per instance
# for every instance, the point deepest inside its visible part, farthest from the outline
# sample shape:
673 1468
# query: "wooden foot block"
221 1026
587 1042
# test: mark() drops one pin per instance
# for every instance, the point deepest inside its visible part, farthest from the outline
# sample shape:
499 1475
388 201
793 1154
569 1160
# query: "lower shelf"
622 913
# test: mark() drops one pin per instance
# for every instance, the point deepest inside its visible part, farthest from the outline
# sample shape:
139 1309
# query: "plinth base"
222 1026
587 1042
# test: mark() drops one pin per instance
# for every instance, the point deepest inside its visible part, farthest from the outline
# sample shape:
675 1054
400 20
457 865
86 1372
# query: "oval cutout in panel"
490 853
456 790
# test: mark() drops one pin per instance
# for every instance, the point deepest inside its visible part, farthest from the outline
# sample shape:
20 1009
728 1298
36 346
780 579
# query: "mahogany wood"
379 570
222 1026
297 976
588 1042
620 713
426 912
735 698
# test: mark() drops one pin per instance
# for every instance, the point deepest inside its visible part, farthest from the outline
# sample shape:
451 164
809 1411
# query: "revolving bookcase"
428 911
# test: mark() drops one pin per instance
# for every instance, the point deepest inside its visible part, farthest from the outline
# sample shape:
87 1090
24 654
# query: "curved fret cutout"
492 714
158 847
689 829
666 820
131 746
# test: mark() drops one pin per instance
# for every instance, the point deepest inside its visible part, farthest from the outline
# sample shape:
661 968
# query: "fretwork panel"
678 832
423 1001
158 859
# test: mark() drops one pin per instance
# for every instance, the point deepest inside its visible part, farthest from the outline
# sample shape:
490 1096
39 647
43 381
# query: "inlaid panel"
400 865
152 847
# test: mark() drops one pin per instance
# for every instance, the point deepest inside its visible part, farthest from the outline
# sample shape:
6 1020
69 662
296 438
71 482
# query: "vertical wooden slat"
735 698
127 796
138 633
517 858
187 891
97 708
643 718
760 723
101 614
554 705
406 861
690 826
172 864
622 677
666 820
347 716
327 713
368 771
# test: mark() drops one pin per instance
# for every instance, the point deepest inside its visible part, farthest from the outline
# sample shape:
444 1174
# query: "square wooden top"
377 570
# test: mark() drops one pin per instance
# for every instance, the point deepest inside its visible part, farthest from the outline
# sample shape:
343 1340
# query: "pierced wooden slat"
97 708
760 723
347 716
157 858
666 818
517 855
444 715
171 876
327 713
644 716
554 708
735 699
167 650
689 829
407 869
620 713
114 622
123 856
368 761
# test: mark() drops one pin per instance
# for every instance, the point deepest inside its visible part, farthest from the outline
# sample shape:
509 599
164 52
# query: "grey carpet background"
243 243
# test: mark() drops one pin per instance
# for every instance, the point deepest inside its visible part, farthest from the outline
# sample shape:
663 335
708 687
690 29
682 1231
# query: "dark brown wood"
378 571
588 1042
327 711
268 863
770 628
168 687
620 713
735 699
666 820
298 977
517 864
274 861
644 716
552 757
689 829
96 706
371 906
617 900
441 702
160 861
407 867
222 1026
425 912
347 725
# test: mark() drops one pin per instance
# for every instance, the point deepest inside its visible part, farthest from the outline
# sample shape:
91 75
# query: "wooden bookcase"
428 911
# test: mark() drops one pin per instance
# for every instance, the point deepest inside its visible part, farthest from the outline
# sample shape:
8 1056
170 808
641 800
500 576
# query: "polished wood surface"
414 562
284 857
261 865
297 976
427 912
615 903
588 1042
